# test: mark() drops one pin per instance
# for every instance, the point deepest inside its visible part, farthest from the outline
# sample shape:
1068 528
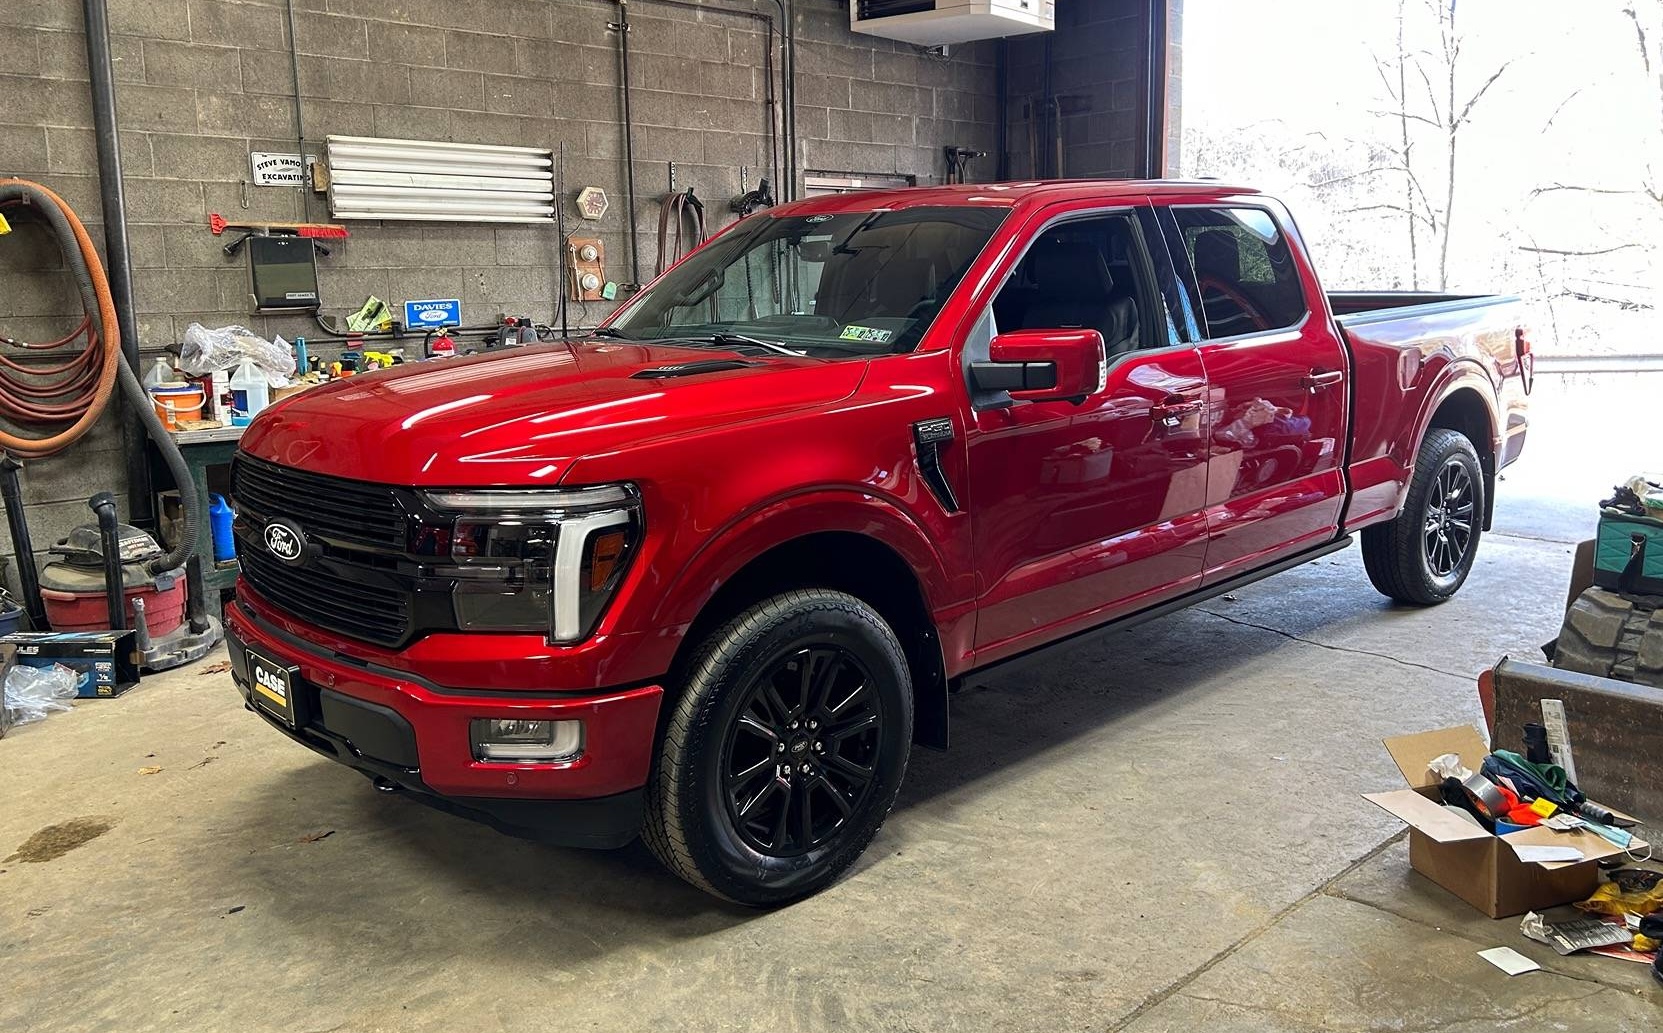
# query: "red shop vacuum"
100 579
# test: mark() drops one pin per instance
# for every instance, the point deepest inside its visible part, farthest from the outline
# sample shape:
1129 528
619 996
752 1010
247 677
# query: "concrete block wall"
1094 66
201 83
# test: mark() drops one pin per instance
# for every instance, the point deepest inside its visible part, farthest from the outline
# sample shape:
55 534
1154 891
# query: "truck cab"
708 573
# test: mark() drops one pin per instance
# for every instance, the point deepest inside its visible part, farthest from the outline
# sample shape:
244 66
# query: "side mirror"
1042 365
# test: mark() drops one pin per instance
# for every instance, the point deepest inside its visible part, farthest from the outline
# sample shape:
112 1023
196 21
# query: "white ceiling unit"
432 181
934 23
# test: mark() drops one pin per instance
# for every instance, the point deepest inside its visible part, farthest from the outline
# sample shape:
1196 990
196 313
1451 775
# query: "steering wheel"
1248 307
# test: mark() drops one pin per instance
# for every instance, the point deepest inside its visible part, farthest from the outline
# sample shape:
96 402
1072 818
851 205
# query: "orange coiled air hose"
76 391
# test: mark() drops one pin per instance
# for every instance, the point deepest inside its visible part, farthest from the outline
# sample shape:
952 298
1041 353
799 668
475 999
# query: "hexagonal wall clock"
592 202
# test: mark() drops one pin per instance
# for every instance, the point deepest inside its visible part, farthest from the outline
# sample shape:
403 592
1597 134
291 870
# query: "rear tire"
784 751
1424 555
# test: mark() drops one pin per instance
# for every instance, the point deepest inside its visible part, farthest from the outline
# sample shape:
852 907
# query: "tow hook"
383 784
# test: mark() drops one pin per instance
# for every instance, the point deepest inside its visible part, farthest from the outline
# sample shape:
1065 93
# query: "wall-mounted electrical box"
934 23
283 273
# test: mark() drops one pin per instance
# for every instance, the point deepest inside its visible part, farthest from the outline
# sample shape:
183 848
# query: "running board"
1041 653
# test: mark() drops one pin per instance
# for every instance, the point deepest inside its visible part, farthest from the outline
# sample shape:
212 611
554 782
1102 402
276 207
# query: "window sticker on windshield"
866 334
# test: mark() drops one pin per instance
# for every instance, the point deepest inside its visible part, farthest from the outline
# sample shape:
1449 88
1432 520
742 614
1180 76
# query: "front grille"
332 509
360 603
354 587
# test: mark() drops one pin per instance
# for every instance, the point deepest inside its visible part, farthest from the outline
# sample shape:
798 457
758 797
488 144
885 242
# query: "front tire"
1424 555
784 751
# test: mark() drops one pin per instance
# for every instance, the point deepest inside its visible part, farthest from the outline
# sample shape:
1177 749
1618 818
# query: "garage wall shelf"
433 181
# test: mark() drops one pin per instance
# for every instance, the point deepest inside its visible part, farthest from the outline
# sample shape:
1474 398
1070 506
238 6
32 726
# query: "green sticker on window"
866 334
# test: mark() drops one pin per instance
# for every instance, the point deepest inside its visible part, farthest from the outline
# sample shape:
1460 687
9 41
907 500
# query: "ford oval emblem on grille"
286 541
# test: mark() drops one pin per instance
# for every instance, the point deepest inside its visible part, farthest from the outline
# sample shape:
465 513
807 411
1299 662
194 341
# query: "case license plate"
273 687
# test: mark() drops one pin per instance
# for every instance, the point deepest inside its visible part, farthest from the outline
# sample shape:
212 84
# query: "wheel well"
866 569
1465 413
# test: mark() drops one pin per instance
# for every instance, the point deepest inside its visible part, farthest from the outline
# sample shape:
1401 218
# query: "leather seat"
1075 289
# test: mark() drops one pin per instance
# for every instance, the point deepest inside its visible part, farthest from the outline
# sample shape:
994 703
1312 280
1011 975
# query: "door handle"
1169 415
1319 380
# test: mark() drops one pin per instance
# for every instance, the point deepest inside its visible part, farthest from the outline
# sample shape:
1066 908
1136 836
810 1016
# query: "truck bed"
1357 308
1408 351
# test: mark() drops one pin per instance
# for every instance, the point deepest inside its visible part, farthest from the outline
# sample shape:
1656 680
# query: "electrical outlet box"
587 261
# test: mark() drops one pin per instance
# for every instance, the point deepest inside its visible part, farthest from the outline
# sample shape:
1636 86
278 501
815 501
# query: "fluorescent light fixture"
434 181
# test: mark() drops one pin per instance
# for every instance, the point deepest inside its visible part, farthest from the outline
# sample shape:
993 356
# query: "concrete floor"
1162 832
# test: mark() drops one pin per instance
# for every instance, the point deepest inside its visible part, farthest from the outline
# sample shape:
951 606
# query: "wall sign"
278 170
424 315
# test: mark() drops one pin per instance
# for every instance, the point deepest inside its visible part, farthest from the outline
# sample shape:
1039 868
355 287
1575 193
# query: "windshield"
866 283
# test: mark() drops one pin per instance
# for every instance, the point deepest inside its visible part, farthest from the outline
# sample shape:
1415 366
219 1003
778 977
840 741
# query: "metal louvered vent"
888 8
433 181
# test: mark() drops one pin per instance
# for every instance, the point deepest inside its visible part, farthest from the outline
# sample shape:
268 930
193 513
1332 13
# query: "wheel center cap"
799 747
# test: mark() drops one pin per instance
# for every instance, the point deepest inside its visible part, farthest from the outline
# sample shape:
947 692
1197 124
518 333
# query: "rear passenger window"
1243 268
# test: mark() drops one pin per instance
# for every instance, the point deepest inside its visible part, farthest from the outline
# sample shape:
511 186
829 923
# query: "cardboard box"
107 660
1479 867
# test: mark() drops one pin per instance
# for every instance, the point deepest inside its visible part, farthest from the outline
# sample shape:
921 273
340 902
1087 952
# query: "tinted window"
1243 268
1086 273
862 283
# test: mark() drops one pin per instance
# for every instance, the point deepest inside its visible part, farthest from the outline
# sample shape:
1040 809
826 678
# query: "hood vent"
692 369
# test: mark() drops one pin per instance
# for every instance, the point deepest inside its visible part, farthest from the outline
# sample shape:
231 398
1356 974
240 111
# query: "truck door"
1082 511
1277 386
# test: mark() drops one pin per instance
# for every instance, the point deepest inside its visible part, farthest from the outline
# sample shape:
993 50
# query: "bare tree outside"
1451 145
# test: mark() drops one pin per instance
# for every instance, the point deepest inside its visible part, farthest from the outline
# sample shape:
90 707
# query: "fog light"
526 742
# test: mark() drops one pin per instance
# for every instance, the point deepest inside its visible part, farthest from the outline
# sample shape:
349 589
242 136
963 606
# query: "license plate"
273 688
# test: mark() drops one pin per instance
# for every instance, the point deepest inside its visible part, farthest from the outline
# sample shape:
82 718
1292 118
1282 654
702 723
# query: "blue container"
220 515
10 618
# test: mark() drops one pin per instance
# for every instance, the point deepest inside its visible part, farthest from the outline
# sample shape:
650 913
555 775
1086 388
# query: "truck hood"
523 416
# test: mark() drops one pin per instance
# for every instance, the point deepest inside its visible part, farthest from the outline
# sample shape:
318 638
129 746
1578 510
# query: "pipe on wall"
117 252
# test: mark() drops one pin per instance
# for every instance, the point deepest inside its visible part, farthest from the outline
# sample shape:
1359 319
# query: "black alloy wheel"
800 760
1425 553
783 749
1450 515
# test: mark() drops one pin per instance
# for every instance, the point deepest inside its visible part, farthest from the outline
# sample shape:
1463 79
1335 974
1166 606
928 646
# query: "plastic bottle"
161 372
220 515
249 391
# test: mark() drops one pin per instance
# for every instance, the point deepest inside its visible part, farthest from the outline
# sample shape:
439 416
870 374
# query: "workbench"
204 449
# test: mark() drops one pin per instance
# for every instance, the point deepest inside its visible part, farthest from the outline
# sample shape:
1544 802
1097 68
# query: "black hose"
135 394
22 544
109 541
132 391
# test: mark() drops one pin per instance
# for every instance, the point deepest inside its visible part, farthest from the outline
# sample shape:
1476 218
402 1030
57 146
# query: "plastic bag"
206 351
34 692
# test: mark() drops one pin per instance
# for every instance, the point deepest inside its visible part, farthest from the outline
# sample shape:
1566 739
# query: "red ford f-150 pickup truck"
708 574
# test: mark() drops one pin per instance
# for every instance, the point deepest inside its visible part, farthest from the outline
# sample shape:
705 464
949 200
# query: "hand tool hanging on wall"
753 200
686 213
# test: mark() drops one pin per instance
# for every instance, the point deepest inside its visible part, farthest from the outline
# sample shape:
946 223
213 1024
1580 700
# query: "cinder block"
824 91
45 102
239 25
444 88
23 150
272 71
331 35
324 117
481 52
154 19
233 114
518 95
168 63
407 44
200 158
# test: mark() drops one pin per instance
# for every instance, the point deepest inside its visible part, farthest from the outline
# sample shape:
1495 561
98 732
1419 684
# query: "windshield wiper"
778 349
610 331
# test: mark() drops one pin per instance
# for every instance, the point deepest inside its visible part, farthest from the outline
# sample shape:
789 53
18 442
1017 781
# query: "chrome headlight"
533 560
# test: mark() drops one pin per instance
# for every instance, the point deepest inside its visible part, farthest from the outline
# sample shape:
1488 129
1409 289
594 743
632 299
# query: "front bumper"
413 734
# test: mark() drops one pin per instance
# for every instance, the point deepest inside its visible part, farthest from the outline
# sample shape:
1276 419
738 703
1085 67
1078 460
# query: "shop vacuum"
100 578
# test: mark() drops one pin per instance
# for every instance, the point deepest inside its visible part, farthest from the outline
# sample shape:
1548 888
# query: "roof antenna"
560 231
